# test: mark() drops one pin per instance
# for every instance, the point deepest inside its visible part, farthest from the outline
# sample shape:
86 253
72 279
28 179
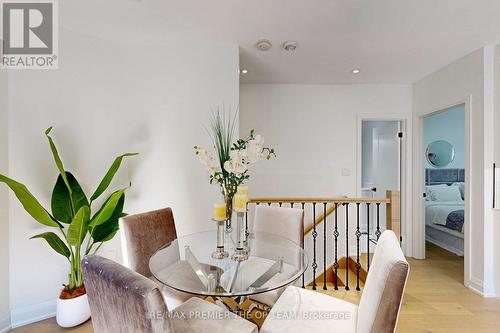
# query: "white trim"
5 323
33 313
476 286
406 179
419 187
488 156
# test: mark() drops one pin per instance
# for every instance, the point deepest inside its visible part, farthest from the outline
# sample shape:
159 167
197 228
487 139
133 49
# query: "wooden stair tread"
352 278
344 265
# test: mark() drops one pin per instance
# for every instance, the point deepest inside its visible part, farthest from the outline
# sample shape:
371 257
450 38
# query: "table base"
244 307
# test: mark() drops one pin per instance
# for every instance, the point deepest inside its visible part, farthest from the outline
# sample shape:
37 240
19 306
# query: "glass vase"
229 193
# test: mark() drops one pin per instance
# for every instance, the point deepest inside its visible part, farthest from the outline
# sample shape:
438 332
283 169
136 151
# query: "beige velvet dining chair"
279 221
124 301
378 309
142 235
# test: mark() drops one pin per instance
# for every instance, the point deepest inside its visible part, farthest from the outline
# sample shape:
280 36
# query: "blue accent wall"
448 125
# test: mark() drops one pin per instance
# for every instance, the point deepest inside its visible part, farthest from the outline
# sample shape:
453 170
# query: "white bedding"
446 238
436 212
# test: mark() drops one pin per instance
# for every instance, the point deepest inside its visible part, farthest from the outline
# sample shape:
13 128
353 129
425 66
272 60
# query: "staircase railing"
340 231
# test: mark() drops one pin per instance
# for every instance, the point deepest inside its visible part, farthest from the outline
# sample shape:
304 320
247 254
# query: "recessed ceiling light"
244 71
290 45
356 71
263 45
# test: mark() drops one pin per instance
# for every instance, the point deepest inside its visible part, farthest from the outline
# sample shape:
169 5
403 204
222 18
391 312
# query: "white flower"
235 165
255 149
258 140
238 155
208 159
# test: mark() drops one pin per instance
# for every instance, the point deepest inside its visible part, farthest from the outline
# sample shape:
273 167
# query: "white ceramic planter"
72 312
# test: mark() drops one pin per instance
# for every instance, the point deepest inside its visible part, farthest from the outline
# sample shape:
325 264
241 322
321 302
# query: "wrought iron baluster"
368 235
347 246
314 234
377 232
324 245
303 274
336 235
358 234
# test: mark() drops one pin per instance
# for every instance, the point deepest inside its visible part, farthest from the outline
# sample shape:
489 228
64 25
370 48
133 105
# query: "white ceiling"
391 41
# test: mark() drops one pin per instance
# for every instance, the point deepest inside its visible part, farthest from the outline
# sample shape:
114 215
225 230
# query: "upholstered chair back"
122 300
280 221
383 292
143 234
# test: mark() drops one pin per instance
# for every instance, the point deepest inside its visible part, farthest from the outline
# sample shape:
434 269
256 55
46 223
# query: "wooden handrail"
391 200
392 211
319 200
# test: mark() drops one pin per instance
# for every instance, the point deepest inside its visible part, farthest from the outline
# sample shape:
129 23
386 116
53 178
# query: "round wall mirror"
440 153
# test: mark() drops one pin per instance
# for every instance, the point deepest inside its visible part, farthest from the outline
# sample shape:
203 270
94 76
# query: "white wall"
108 98
496 213
450 126
4 206
452 85
314 130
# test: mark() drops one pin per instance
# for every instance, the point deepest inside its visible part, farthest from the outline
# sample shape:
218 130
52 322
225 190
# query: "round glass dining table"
186 264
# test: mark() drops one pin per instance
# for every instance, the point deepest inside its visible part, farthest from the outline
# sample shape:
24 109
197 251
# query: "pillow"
429 192
460 187
444 193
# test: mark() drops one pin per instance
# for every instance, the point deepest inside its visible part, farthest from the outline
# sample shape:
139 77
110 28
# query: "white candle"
219 211
243 189
240 203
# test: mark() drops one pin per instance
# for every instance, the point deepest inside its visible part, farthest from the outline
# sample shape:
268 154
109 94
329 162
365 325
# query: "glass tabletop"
187 265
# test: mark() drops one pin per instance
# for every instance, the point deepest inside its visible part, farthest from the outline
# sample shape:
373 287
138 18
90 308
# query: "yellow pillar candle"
219 211
240 202
243 189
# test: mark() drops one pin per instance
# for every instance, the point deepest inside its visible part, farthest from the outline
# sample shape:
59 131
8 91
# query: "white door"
386 164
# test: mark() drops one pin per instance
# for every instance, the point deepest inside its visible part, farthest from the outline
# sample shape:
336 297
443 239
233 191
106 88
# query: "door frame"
419 184
406 170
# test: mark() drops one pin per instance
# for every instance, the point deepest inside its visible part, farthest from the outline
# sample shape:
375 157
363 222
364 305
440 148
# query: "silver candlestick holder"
220 253
241 252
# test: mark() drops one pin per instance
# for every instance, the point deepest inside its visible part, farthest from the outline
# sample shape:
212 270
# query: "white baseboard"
476 285
5 323
33 313
488 292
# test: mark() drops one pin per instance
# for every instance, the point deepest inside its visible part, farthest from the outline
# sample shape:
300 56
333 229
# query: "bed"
444 209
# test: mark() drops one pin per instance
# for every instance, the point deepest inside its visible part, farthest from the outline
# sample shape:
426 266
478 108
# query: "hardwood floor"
435 301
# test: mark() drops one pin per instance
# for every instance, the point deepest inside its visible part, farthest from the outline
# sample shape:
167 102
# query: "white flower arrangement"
229 162
243 153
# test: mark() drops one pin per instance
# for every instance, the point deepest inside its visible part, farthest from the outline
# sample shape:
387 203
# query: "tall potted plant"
229 161
71 215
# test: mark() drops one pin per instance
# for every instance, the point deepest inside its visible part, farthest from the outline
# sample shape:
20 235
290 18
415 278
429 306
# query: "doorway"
444 180
382 164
